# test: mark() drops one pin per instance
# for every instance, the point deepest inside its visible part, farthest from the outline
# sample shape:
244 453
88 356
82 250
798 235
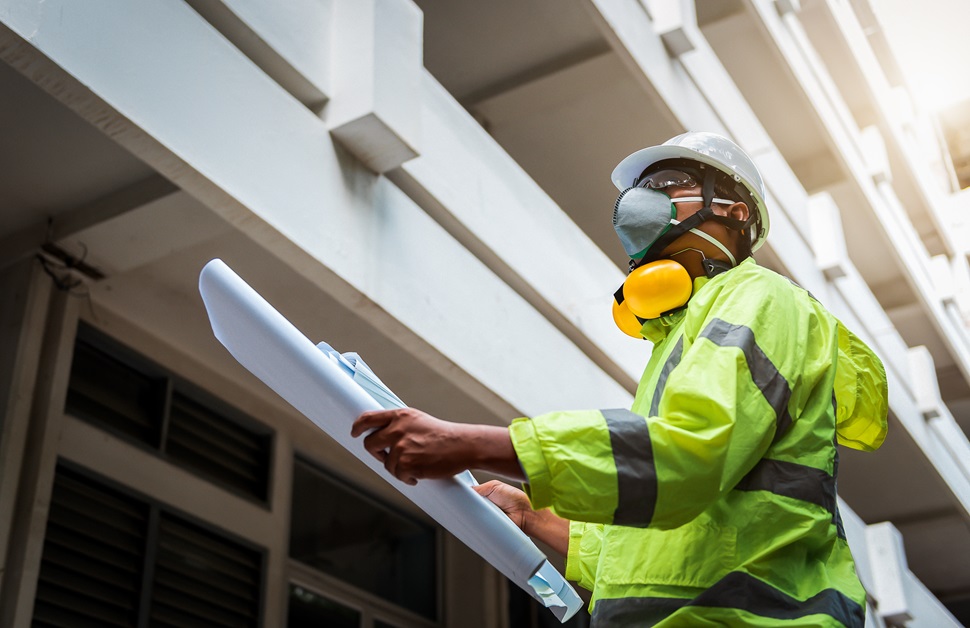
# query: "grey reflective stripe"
672 361
766 377
791 479
736 590
634 611
745 592
636 477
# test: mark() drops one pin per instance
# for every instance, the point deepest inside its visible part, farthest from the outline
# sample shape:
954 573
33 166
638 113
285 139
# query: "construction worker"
712 501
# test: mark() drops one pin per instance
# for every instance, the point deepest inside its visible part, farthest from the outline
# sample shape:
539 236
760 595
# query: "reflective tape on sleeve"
636 475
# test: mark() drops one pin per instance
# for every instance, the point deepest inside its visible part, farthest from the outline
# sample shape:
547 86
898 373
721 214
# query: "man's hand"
414 445
543 525
511 500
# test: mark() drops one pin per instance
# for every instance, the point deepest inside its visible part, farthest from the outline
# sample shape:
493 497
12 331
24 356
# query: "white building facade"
425 183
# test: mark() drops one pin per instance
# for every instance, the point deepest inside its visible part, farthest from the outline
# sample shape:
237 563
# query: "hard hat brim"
627 171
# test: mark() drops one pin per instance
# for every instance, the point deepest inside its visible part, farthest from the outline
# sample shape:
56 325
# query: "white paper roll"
276 352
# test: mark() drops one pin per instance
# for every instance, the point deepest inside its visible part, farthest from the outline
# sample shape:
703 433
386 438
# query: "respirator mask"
645 219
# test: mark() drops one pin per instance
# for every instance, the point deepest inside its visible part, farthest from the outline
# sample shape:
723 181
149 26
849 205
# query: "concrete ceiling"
51 160
479 48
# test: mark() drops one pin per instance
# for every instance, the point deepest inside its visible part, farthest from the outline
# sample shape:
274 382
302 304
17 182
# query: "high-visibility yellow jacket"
713 500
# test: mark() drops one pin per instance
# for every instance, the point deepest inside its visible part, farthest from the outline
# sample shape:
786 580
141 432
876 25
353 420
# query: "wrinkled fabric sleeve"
718 413
568 460
585 543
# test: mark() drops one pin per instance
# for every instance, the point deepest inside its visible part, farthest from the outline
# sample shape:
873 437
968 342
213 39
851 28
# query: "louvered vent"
125 393
212 445
202 579
105 391
93 557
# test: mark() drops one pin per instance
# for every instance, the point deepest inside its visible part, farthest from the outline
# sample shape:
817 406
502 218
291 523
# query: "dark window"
109 392
351 536
309 610
113 559
125 393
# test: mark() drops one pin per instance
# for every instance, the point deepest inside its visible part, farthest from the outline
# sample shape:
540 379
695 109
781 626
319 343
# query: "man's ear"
738 211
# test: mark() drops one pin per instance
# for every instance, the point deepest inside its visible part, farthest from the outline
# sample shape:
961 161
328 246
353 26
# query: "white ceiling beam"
288 40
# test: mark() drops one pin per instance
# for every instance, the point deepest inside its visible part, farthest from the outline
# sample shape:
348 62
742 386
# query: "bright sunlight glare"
930 41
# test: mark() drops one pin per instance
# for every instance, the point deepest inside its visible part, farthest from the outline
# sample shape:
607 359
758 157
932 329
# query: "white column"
40 458
24 299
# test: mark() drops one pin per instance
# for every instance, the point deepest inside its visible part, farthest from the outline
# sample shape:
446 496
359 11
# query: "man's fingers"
378 442
393 465
486 489
372 420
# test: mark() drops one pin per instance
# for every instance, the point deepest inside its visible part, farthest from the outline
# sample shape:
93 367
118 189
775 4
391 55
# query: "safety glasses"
676 178
667 178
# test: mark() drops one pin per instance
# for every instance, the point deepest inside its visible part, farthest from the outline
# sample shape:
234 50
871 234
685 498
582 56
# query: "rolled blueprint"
314 382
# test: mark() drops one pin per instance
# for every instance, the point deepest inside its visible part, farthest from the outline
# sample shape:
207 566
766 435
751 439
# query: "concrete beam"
378 65
876 157
888 557
828 240
289 41
923 374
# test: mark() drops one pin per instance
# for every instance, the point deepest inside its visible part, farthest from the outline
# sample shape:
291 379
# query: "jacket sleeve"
719 409
585 542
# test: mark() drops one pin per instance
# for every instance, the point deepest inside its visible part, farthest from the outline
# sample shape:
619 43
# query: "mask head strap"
675 231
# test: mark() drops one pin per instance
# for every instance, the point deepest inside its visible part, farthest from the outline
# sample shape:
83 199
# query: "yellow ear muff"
655 288
625 320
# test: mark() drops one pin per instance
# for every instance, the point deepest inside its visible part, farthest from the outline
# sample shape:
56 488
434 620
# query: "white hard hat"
710 149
